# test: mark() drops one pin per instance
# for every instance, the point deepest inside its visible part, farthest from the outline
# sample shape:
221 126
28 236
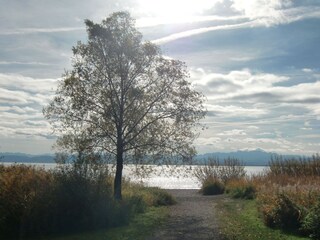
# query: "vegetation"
286 198
140 226
214 175
230 168
212 186
35 202
240 219
122 97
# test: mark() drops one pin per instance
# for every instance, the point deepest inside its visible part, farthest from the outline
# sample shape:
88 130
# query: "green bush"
161 197
285 214
212 187
244 192
311 223
136 204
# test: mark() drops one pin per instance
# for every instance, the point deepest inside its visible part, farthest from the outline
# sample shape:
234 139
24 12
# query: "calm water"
171 177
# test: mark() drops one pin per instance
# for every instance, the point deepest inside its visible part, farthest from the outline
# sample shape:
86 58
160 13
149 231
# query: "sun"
174 9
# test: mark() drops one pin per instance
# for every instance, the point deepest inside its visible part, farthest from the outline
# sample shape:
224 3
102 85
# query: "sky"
257 62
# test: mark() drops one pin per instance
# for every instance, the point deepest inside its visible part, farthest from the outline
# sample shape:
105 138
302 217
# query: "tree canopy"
123 97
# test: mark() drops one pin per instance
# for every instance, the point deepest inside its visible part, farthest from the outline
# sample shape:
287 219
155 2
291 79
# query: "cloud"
233 111
24 63
156 21
259 13
40 30
234 84
255 9
307 70
233 132
198 31
27 84
262 110
21 101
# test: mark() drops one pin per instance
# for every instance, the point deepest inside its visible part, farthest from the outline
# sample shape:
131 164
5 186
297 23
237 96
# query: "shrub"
311 223
245 192
74 198
281 212
241 188
151 196
212 187
25 194
160 197
231 168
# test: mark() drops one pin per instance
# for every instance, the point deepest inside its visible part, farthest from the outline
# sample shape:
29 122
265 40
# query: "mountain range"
256 157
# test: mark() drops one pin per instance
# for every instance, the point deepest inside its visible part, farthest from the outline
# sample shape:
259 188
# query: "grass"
38 203
240 219
139 228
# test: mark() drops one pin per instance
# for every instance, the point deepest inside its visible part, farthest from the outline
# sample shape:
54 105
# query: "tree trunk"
117 194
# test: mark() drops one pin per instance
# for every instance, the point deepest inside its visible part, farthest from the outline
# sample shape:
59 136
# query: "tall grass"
226 170
36 202
215 175
289 192
296 167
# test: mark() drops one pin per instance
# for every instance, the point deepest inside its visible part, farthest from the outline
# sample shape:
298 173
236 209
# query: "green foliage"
245 192
212 187
311 223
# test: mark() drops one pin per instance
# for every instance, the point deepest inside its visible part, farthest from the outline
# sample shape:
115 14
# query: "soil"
192 218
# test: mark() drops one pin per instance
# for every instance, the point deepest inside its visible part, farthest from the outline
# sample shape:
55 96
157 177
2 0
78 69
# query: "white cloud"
19 31
28 84
258 9
307 70
197 31
233 111
233 132
219 86
21 101
259 13
155 21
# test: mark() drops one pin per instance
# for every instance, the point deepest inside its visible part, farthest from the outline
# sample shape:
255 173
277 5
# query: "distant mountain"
26 158
256 157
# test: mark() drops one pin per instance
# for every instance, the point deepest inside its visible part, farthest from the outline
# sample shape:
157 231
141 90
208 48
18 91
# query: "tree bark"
117 193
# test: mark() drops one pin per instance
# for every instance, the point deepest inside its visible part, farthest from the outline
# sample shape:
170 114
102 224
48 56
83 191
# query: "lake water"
171 177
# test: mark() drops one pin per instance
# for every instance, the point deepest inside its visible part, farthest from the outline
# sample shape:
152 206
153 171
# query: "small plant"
161 197
311 223
245 192
212 186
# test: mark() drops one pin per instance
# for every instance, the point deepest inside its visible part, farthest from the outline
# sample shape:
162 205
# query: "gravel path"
192 218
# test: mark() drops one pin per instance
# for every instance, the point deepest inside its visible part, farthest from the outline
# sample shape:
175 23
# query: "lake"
167 177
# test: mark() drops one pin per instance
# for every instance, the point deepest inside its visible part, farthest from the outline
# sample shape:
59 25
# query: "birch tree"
124 98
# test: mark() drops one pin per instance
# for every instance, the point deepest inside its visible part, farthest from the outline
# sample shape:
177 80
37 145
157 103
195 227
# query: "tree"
124 98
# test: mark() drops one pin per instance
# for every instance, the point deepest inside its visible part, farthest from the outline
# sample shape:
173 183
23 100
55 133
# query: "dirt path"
192 218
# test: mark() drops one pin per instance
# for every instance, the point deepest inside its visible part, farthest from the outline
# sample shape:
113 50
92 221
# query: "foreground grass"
239 219
139 228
